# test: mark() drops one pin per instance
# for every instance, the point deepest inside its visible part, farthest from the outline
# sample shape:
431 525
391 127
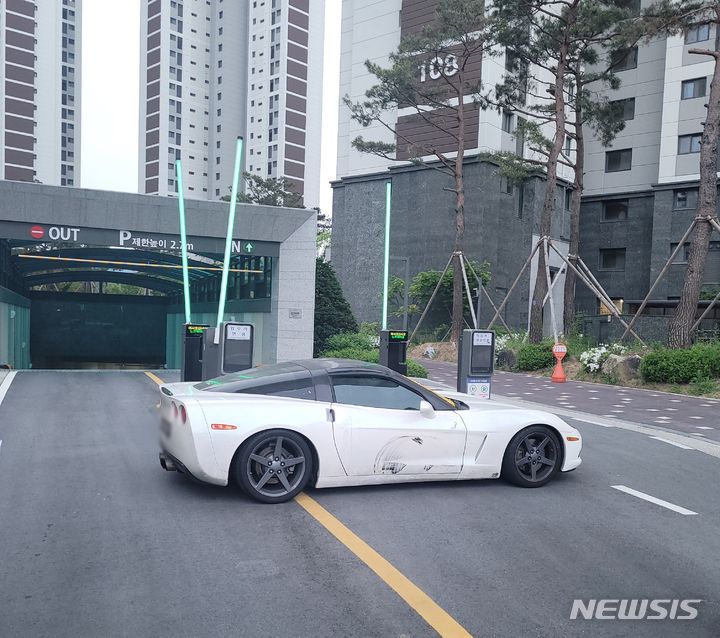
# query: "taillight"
183 414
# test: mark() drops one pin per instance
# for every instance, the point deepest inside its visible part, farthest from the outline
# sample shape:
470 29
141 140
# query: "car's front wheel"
274 466
533 457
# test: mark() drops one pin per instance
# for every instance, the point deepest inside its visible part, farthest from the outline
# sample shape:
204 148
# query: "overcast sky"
110 85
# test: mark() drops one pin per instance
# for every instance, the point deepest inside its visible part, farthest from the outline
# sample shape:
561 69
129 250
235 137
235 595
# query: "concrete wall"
422 230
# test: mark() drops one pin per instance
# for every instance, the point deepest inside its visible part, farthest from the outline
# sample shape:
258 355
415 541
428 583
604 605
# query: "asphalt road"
96 540
698 417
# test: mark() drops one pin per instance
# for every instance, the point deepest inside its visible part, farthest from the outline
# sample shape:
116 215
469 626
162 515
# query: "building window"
624 108
612 259
618 160
568 198
689 143
685 199
683 254
624 60
693 88
506 186
507 121
615 210
698 33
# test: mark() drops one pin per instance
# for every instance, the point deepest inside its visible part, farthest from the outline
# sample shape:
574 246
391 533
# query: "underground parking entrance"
90 279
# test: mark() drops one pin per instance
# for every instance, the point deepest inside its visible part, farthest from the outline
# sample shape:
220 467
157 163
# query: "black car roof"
340 365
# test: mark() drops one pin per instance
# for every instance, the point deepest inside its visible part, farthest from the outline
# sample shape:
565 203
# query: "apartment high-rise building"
40 82
641 192
213 70
500 217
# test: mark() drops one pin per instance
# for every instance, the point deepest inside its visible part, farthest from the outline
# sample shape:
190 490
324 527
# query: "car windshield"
247 377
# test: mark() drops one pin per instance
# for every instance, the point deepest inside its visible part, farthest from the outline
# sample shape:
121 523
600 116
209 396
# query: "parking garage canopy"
100 274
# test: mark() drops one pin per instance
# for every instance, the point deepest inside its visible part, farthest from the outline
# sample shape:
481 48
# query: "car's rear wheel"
533 457
273 466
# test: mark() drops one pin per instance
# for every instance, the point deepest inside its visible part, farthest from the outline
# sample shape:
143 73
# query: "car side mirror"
427 410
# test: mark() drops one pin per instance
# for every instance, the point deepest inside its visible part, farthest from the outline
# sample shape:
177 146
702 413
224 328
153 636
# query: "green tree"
333 314
431 74
554 52
268 192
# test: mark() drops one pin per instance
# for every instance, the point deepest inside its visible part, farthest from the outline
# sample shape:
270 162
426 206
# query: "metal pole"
183 239
386 277
549 285
467 289
228 240
706 313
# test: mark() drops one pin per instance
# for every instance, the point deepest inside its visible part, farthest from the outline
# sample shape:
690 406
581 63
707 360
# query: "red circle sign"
37 232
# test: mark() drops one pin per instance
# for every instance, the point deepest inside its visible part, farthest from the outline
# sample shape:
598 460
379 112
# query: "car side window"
374 392
297 388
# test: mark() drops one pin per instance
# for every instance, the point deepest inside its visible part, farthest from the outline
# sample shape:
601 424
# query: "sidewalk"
697 417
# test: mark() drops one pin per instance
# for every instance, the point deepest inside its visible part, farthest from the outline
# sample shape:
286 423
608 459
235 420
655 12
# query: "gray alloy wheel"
273 466
533 457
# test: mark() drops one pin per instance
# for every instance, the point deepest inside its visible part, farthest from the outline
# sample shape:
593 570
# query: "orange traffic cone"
558 375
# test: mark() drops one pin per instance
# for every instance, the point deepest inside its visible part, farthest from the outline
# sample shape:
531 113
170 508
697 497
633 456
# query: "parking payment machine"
233 353
476 362
393 350
192 353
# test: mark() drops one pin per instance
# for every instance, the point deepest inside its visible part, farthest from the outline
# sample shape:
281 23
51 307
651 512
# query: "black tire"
274 466
533 457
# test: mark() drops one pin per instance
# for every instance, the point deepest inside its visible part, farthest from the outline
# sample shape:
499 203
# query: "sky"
110 90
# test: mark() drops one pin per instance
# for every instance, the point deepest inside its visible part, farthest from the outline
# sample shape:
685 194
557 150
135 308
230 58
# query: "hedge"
702 361
535 356
373 356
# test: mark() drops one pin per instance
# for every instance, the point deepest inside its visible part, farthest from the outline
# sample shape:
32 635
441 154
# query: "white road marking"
703 427
593 390
617 411
671 409
697 417
675 401
609 416
594 398
652 410
669 442
652 499
706 405
5 385
697 433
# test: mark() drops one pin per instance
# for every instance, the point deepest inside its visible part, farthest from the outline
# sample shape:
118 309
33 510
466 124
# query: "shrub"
535 356
349 341
373 356
682 366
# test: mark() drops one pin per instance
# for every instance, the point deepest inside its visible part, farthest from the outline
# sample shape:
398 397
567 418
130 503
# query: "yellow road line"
156 379
426 607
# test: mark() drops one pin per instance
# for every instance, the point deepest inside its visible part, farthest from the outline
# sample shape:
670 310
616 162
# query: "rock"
624 368
507 359
429 353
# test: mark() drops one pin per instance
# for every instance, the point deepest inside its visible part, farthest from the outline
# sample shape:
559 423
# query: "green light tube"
183 240
386 280
228 241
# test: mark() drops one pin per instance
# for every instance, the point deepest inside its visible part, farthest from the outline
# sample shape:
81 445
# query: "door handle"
331 415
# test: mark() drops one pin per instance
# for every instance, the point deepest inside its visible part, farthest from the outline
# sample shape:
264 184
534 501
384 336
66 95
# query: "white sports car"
330 422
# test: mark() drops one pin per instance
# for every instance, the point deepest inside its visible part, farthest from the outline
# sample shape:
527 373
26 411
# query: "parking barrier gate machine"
233 351
393 350
476 362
